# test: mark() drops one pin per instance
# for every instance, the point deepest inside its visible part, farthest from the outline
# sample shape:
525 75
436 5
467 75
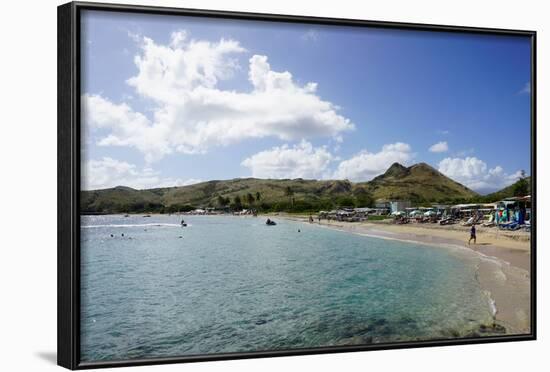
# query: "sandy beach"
503 269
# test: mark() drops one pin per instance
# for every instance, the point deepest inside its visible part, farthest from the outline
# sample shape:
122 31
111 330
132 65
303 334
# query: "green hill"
518 188
418 183
119 199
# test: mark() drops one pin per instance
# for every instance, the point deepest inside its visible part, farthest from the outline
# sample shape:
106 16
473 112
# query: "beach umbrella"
398 213
429 213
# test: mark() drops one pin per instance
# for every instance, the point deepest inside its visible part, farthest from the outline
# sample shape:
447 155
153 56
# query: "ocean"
151 288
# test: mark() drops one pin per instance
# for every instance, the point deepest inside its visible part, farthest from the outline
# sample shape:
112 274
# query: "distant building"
399 205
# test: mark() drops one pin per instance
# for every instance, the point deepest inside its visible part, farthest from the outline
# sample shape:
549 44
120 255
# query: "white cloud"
443 132
109 172
526 88
366 165
125 127
475 174
192 114
299 161
167 72
439 147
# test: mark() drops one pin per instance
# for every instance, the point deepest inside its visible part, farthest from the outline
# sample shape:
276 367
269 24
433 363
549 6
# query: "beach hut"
380 211
399 205
515 209
361 214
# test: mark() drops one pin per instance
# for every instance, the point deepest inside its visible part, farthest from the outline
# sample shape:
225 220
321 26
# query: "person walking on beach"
472 234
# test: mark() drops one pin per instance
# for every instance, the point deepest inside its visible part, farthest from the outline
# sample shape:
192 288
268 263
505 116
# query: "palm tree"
258 196
237 202
290 193
521 187
222 202
250 199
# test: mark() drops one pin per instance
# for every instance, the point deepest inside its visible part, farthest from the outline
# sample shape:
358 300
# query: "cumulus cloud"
192 114
124 126
167 72
108 172
439 147
475 174
299 161
366 165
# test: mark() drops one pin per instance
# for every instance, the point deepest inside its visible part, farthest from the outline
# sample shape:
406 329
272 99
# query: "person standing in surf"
472 234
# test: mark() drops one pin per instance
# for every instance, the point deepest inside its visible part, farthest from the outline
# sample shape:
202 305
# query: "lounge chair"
470 222
490 222
510 226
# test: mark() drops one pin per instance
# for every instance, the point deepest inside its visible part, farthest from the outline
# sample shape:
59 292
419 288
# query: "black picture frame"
68 217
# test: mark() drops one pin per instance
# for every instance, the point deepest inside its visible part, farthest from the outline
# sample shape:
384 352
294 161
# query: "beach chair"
504 226
470 222
490 222
512 226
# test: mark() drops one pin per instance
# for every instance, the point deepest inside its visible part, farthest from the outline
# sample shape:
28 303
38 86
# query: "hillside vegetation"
419 183
521 187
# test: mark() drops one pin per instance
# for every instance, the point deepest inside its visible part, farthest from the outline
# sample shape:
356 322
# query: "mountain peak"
423 165
424 168
397 165
396 170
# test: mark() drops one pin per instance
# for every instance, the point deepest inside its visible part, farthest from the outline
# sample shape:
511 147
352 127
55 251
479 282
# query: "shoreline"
503 270
503 262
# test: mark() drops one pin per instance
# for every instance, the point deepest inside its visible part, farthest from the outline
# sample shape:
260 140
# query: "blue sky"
176 100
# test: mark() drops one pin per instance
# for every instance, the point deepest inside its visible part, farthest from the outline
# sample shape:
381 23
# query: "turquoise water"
232 284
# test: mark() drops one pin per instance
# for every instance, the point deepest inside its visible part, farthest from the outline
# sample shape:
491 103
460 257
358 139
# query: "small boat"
126 215
147 215
270 222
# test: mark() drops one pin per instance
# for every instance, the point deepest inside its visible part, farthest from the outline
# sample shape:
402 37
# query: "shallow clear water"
233 284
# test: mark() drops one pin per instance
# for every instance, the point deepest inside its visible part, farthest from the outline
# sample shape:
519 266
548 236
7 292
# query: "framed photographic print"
236 185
